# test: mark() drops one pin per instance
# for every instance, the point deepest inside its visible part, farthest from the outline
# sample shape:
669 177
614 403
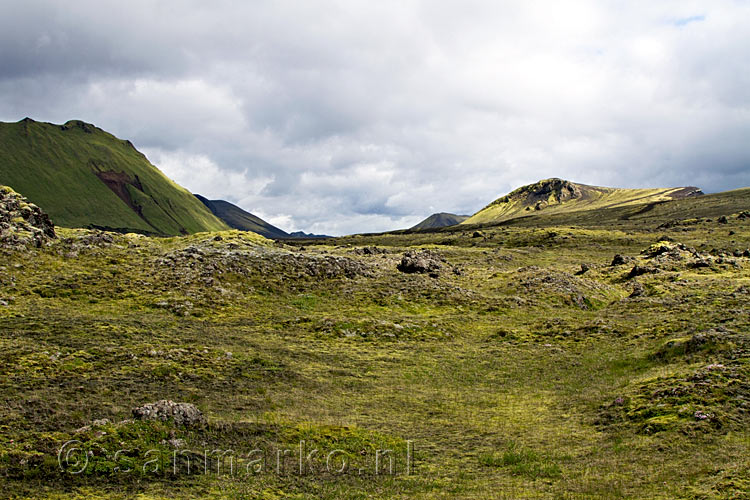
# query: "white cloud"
361 116
200 171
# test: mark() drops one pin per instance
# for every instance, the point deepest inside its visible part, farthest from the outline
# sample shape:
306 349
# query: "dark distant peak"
237 218
442 219
243 220
301 234
80 125
27 120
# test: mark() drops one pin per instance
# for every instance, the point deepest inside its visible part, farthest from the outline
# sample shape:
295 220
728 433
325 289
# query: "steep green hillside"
441 219
83 176
238 218
561 196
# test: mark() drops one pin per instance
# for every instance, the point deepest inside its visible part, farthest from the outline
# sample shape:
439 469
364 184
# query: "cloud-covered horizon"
342 117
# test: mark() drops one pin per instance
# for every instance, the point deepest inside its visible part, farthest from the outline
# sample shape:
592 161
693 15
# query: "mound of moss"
705 390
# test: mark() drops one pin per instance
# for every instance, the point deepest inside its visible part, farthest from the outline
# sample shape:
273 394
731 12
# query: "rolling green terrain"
599 354
441 219
237 218
561 196
84 177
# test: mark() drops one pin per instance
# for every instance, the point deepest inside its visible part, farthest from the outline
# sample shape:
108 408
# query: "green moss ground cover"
513 374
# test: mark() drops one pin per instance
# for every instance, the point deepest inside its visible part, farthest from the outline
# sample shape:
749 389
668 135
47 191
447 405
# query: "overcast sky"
356 116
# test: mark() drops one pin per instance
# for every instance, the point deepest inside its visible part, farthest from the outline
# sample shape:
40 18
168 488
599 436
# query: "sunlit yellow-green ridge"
559 196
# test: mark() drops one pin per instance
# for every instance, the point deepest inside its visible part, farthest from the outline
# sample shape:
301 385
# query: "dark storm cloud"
358 116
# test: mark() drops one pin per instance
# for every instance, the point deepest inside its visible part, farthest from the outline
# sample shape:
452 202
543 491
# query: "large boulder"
619 260
639 270
424 262
22 223
186 414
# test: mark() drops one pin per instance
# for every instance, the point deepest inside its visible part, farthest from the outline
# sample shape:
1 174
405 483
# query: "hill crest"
557 195
83 176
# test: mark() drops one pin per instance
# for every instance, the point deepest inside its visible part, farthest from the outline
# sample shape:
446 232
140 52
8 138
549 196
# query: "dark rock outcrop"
639 270
22 223
618 260
424 262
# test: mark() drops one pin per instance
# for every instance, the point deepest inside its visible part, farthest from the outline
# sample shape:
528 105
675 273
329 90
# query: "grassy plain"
513 374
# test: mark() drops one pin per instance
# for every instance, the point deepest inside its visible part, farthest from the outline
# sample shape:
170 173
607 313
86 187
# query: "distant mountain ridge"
83 176
551 196
442 219
238 218
302 234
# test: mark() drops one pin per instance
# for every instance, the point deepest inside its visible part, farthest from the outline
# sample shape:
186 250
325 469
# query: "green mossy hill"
694 213
704 388
561 196
83 176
